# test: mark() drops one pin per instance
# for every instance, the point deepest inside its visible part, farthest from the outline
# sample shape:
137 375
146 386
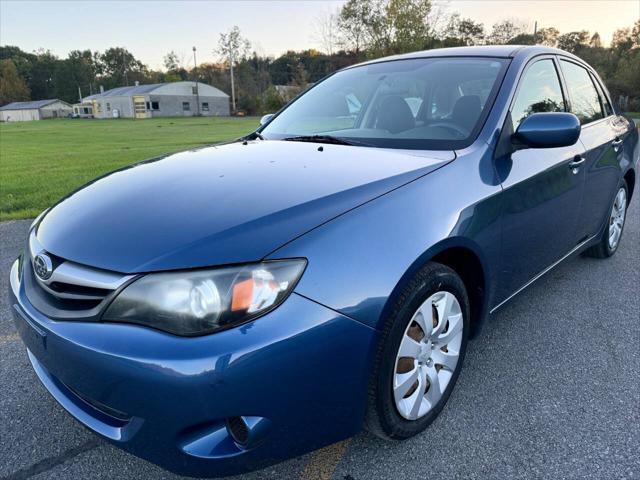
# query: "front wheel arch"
465 258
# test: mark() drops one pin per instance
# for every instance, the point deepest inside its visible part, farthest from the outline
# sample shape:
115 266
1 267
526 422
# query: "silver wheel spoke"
418 396
447 359
434 393
409 347
424 317
455 327
404 381
444 309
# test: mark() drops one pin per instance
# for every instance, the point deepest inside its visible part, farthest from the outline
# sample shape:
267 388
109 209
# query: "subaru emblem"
42 266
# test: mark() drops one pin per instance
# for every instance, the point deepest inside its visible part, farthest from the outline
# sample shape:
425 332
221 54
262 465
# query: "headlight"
198 302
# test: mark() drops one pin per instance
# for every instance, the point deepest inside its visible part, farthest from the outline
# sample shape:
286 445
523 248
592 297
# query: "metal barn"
174 99
34 110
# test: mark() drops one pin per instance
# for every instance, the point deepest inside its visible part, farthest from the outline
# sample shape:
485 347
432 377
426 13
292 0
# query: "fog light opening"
238 429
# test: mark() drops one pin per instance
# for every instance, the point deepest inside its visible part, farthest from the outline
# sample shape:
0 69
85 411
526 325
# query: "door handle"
616 144
575 164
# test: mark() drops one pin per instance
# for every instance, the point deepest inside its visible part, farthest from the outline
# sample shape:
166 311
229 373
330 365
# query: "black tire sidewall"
438 278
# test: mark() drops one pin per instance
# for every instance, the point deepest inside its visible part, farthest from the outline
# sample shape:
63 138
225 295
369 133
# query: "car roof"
497 51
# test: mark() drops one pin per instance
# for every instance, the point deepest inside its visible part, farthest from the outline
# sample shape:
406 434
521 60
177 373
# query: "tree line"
360 30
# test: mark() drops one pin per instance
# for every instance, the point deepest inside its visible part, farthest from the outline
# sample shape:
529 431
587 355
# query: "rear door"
542 190
601 138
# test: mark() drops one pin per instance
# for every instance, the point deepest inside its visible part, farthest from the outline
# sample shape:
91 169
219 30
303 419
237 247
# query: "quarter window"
539 92
585 102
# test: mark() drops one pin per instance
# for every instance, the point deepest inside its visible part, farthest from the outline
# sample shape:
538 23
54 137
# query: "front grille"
72 291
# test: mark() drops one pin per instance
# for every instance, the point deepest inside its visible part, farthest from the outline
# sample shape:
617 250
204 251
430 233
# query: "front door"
542 190
139 106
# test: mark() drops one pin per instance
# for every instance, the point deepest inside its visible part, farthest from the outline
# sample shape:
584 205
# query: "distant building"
174 99
35 110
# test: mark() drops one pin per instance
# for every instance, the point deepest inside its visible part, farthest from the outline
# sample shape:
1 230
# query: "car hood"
221 204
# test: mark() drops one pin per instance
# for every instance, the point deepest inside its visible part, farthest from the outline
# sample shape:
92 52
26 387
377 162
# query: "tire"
392 413
605 248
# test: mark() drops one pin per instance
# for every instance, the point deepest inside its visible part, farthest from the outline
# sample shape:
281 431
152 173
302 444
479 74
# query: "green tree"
232 47
13 88
353 23
408 24
548 36
42 74
596 41
573 41
502 32
635 34
76 72
119 67
172 61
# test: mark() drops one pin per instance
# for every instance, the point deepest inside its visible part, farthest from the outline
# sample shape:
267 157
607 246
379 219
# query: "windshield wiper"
329 139
253 136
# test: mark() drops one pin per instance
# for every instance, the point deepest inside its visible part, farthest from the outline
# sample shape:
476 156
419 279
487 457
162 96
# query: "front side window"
539 92
423 103
186 106
585 102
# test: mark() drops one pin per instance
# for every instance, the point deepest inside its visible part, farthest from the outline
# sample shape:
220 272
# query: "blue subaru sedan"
221 309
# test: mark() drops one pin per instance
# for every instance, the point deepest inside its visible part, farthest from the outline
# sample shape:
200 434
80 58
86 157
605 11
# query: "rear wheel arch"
630 178
465 258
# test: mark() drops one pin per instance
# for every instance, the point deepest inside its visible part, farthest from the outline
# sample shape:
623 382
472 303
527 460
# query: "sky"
151 28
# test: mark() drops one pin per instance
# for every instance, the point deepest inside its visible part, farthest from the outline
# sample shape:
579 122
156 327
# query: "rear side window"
539 92
604 100
585 102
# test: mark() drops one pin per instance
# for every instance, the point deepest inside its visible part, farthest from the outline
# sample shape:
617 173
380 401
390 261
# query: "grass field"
42 161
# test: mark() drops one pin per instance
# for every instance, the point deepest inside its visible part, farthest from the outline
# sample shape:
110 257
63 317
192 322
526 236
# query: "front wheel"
610 238
420 354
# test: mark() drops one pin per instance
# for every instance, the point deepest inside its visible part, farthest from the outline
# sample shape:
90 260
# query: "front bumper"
297 375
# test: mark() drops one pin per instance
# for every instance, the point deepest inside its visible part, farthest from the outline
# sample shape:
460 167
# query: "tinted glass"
585 102
539 91
415 103
604 100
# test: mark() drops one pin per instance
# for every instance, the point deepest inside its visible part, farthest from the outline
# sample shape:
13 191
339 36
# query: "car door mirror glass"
547 130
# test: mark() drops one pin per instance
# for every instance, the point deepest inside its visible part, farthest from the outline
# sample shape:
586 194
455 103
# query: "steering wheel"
459 131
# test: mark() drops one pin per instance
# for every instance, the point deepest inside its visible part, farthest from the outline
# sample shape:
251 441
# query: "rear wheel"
420 354
610 239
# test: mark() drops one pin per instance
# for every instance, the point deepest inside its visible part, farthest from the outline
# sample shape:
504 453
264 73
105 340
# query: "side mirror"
548 130
266 118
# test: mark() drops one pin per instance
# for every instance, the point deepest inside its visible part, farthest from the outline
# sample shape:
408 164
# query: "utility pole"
233 88
535 32
195 71
79 94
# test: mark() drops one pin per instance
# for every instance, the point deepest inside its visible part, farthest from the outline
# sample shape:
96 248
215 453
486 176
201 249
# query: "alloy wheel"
428 355
616 219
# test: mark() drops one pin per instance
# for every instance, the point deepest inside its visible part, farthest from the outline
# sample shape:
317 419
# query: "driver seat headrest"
466 111
394 115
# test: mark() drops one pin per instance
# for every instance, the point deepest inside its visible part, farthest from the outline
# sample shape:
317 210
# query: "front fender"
359 260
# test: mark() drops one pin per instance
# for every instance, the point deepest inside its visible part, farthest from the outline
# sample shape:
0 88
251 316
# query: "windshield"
423 103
